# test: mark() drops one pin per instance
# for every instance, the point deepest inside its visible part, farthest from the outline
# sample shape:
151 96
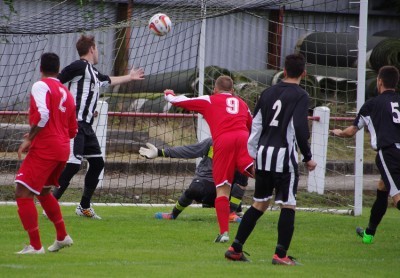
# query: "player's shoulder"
204 97
372 101
295 91
40 86
76 65
95 69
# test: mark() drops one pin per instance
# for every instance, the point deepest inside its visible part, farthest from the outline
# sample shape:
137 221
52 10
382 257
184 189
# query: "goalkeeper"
202 188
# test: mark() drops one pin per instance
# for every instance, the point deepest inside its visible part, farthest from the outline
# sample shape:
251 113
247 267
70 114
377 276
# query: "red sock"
52 208
222 209
29 217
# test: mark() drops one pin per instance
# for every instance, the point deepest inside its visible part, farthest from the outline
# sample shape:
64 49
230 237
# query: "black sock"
398 205
246 226
378 210
96 165
68 173
181 204
178 208
236 197
85 202
285 231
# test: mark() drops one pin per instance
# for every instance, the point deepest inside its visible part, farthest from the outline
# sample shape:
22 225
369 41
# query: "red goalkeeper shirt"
52 107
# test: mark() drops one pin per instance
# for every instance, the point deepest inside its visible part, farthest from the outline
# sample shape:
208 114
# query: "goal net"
247 40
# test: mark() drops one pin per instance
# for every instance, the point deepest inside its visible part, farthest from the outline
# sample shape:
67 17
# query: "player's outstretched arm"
347 132
134 74
196 150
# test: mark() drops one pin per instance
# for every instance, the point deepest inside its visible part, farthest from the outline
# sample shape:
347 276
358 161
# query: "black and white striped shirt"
84 82
280 124
381 115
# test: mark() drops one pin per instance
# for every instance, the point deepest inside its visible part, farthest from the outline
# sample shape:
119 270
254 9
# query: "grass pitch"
129 242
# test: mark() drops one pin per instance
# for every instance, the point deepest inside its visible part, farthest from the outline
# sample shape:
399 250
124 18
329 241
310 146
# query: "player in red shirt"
53 123
229 119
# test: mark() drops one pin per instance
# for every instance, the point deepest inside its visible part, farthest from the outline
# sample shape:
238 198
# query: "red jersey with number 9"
229 120
52 107
223 112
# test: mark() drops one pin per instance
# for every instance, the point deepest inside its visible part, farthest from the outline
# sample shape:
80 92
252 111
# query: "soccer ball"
160 24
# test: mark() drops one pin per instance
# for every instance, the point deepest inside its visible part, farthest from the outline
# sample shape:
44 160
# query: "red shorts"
36 173
230 154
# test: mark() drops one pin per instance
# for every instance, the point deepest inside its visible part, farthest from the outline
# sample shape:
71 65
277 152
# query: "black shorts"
388 163
285 185
202 191
85 144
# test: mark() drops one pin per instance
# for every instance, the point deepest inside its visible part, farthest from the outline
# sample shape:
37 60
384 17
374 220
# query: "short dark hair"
84 44
295 65
224 83
49 63
389 76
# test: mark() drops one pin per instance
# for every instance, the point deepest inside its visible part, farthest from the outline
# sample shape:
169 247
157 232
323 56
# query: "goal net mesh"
247 40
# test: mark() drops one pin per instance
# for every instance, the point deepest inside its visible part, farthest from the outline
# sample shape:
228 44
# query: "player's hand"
311 164
336 132
150 152
24 147
137 73
168 92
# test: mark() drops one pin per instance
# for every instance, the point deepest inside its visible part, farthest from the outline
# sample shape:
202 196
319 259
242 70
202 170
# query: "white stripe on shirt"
39 91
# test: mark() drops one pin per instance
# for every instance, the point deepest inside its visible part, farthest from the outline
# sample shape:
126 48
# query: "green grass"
129 242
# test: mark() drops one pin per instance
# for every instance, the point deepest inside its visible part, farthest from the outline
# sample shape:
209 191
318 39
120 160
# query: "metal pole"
203 131
359 156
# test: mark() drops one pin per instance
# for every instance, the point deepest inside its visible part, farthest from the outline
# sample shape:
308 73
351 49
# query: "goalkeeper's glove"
150 152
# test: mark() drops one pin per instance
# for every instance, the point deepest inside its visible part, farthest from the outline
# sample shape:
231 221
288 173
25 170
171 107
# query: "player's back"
385 114
227 114
276 106
84 82
53 140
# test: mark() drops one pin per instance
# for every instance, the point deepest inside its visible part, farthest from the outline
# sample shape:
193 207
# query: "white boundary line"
272 208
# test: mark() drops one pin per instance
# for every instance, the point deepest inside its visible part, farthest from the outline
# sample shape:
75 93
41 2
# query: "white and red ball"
160 24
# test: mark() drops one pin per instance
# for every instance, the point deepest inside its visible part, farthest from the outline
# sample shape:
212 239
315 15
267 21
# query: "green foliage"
129 242
250 92
211 73
10 5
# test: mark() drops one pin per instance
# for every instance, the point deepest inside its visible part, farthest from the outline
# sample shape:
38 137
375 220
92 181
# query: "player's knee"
381 186
71 169
22 192
45 191
382 196
261 206
184 201
96 164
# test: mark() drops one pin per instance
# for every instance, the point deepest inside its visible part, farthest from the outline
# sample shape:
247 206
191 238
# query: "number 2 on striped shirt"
277 106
